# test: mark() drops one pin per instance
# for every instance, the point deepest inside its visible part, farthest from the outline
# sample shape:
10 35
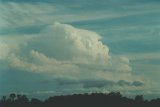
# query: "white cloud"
22 14
59 50
14 15
64 51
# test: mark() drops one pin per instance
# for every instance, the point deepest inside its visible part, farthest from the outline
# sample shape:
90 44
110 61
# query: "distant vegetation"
113 99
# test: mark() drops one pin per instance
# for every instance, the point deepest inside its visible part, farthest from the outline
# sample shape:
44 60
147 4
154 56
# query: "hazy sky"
54 47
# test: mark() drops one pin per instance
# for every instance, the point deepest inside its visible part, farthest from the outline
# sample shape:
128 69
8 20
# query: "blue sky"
47 43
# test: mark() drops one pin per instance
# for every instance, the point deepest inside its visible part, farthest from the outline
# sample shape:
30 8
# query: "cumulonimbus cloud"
70 57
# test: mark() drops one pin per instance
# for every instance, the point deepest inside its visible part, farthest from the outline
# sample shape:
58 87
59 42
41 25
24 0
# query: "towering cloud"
67 54
37 54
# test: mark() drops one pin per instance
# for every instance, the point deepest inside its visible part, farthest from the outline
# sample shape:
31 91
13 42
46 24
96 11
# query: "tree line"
113 99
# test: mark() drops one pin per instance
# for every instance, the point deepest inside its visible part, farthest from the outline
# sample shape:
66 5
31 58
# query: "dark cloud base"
100 83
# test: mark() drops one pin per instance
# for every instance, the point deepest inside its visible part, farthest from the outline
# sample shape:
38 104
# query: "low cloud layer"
100 83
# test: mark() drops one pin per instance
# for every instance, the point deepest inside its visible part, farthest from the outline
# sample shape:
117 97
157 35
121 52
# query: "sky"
61 47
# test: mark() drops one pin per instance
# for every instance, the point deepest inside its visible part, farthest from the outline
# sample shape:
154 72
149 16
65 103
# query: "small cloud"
123 83
138 83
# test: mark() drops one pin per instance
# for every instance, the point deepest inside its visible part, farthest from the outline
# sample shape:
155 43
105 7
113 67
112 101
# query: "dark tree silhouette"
12 96
4 98
139 98
113 99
